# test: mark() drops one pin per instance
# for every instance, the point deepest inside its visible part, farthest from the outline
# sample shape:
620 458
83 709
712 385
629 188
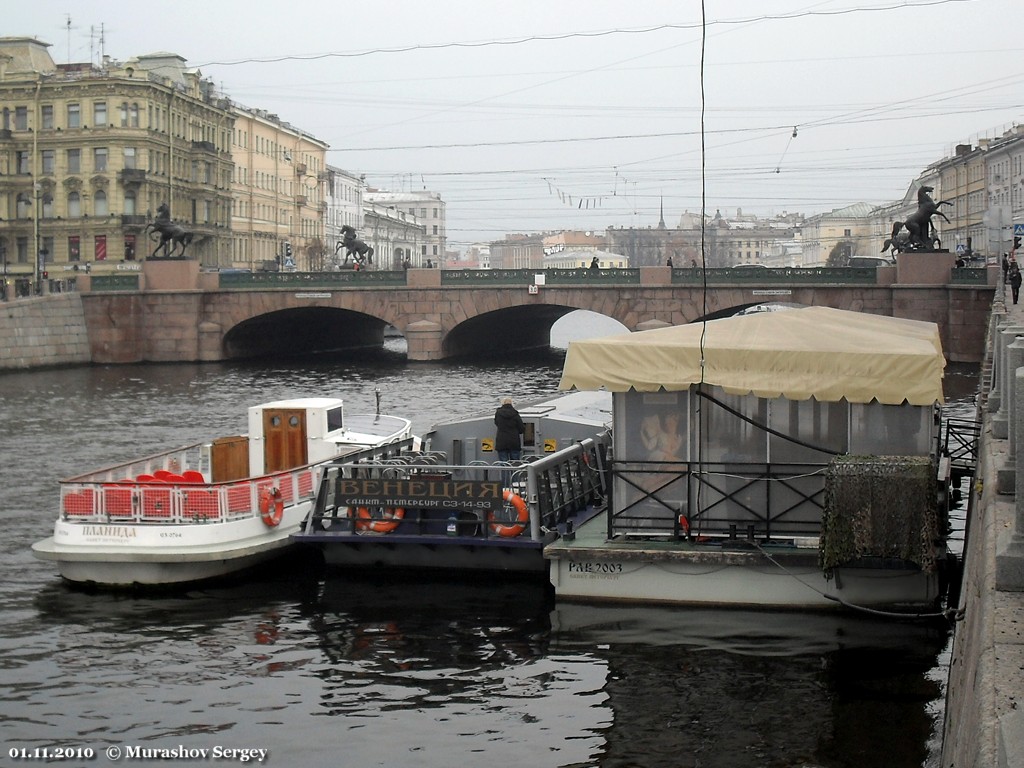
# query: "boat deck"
590 542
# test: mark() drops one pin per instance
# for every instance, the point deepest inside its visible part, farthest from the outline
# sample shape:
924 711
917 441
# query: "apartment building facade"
279 190
88 153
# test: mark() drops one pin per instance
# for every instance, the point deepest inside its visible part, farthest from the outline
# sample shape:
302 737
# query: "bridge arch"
299 330
500 331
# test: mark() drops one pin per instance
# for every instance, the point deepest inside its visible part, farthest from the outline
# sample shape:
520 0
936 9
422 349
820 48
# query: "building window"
99 203
133 115
21 162
74 248
47 206
74 205
22 247
99 159
21 118
101 247
124 114
129 157
74 116
99 112
129 203
47 114
129 247
49 157
23 206
74 161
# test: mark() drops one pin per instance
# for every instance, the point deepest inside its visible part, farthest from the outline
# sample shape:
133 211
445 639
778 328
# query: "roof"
819 352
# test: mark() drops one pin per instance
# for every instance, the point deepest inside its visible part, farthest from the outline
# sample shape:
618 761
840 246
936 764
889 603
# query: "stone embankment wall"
43 332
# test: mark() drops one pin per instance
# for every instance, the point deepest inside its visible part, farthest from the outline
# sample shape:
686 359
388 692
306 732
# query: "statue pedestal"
924 267
170 274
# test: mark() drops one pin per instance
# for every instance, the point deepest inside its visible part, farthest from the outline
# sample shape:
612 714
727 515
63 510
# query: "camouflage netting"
879 506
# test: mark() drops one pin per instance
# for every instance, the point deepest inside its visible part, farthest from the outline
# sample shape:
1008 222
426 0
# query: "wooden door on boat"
284 439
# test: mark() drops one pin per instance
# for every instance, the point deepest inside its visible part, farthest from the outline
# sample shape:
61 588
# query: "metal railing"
717 499
553 488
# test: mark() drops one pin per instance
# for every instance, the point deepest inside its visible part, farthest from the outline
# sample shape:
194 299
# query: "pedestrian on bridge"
1015 280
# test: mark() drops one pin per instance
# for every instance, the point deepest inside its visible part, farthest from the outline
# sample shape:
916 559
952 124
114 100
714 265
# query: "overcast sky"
536 115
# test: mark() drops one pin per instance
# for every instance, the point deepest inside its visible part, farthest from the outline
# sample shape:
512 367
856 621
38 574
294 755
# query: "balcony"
301 199
206 146
132 220
300 168
131 175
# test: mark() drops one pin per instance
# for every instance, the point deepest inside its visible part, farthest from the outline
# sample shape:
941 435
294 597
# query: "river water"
327 669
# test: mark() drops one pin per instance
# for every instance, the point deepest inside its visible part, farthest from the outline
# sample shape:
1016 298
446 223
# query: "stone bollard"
1010 543
996 319
1006 478
1000 420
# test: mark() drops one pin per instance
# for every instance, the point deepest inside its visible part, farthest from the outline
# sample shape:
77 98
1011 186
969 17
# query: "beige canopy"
819 352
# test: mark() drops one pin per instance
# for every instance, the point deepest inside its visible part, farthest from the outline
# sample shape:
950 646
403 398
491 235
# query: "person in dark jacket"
1015 280
508 436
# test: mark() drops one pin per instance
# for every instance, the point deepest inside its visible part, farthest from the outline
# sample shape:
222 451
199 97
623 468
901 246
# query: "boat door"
284 439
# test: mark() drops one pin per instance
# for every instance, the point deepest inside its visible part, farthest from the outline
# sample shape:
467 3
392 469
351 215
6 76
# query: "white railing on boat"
175 500
172 488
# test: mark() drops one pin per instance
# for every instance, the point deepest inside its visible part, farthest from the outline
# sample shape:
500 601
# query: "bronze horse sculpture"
920 232
169 234
360 252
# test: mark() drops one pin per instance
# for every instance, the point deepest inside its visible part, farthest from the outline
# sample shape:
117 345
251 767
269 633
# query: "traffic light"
288 250
46 275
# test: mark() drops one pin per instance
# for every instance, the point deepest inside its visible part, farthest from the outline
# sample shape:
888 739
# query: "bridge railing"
342 279
775 275
578 276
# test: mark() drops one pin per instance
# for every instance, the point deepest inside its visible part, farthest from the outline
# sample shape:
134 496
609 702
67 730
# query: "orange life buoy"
365 521
522 516
271 506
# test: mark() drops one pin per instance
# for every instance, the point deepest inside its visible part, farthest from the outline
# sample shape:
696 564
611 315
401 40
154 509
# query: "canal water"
329 669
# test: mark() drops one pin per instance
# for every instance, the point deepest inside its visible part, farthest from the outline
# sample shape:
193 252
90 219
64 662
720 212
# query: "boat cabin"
730 428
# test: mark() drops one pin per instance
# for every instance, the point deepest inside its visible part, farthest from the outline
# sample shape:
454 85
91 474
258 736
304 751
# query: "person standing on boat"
510 428
1015 280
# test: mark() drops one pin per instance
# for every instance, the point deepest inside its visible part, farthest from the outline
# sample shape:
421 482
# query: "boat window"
293 421
896 430
529 433
275 421
814 423
655 427
335 418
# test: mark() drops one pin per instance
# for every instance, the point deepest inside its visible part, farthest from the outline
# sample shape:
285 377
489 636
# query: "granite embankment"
43 332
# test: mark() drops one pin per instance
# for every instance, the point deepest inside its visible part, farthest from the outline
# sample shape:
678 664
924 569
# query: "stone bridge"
173 312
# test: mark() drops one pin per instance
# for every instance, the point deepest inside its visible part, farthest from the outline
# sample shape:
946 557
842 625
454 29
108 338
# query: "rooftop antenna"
68 28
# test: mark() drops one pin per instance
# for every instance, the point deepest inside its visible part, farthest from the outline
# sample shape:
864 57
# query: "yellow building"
279 190
88 153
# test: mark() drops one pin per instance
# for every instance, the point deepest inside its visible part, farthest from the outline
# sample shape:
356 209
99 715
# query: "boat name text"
365 492
110 531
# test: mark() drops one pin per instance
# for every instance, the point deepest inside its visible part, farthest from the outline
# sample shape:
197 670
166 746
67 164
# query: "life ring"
271 506
365 521
522 516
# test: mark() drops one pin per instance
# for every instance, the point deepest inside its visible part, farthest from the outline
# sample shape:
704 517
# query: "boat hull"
139 555
719 580
430 553
780 578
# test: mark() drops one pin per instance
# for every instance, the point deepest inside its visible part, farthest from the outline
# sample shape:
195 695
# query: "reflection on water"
325 669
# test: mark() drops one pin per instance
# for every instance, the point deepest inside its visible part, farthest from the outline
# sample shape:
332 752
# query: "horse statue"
900 241
169 234
920 231
360 253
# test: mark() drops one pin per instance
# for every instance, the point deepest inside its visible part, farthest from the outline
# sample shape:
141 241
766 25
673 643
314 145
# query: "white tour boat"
213 508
